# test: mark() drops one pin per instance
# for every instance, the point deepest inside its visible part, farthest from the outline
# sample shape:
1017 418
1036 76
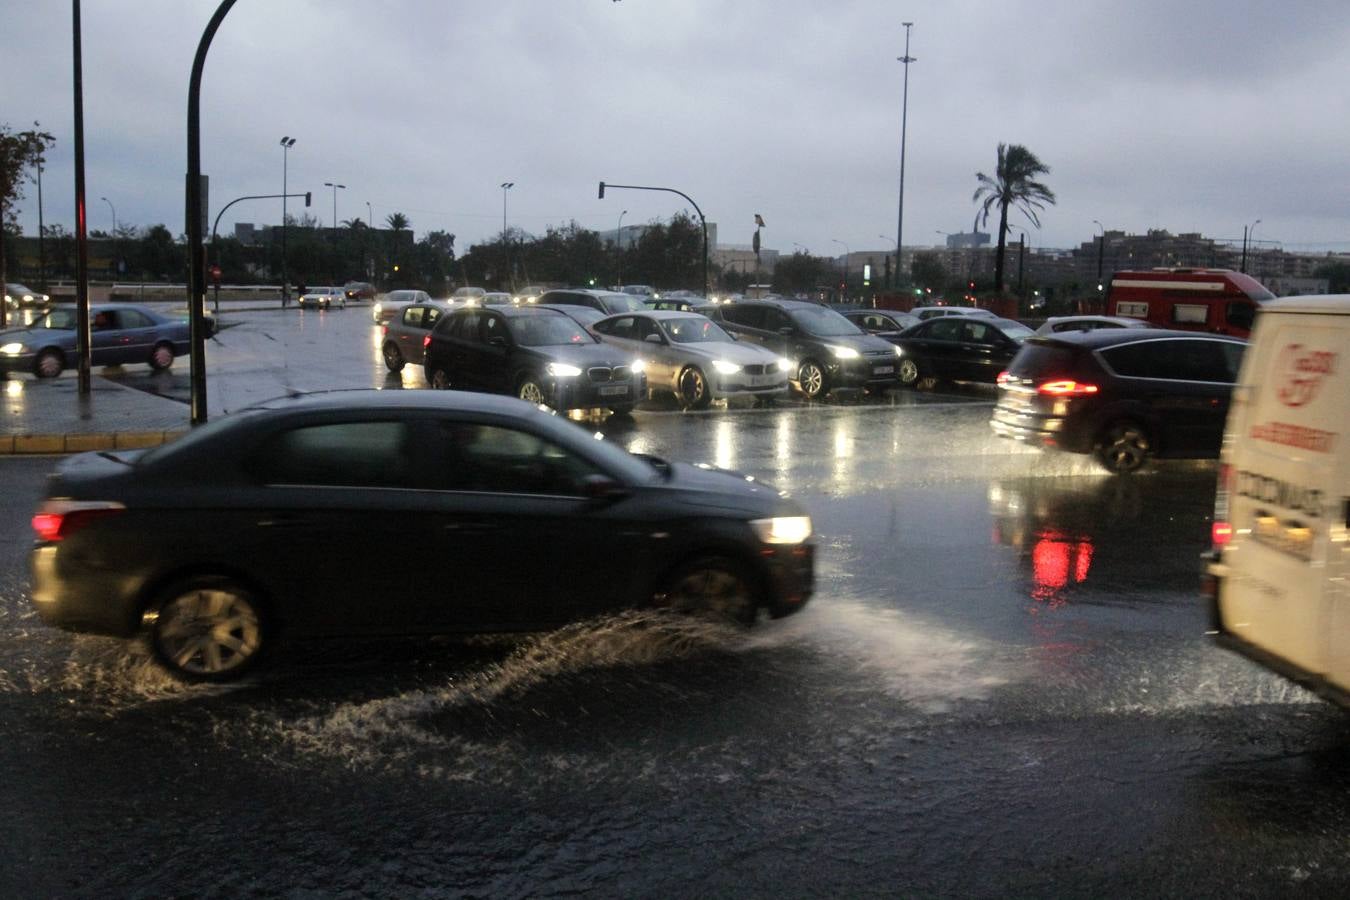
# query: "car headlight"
898 351
722 367
786 365
13 349
783 529
843 352
562 370
27 298
638 367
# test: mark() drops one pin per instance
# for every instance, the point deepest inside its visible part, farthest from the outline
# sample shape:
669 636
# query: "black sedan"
120 334
959 348
884 323
1125 395
294 517
538 353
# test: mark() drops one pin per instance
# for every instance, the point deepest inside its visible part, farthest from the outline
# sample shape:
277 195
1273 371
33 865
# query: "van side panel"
1288 452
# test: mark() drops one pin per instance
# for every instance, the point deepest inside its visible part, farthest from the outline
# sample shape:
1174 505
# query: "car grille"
602 374
878 353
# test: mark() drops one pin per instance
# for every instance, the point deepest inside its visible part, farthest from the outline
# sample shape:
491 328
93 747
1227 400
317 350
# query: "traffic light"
307 197
602 191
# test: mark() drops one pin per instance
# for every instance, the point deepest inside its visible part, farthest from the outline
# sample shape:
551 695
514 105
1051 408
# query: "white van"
1278 578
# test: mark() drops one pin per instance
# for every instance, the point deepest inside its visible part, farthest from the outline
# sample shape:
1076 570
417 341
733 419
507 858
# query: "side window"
944 328
1232 356
491 327
1138 360
1190 314
103 321
432 315
412 316
133 318
976 333
1240 314
340 454
494 459
622 328
1203 361
776 319
466 329
749 316
646 327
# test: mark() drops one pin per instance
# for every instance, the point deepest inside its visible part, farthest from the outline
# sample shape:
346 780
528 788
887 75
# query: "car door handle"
284 520
470 527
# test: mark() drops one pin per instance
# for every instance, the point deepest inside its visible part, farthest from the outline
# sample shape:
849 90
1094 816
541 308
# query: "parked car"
18 295
932 312
496 298
959 348
468 295
537 353
359 290
608 302
1058 324
323 298
528 294
694 358
685 303
120 334
264 523
394 302
404 336
826 350
638 290
885 323
1124 395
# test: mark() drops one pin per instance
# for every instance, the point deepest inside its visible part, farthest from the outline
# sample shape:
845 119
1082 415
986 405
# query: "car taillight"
384 330
426 341
1066 387
56 520
1003 378
1222 530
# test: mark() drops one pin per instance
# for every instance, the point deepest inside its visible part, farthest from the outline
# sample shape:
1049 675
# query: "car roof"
512 311
659 314
373 399
1110 337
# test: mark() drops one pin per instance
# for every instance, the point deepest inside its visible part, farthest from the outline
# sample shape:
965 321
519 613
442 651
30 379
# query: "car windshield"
1015 330
823 322
621 303
694 330
547 331
58 319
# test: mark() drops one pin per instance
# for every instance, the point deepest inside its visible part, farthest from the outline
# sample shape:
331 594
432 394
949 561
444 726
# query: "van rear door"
1284 591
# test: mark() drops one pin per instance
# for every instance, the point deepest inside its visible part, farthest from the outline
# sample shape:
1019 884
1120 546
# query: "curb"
50 444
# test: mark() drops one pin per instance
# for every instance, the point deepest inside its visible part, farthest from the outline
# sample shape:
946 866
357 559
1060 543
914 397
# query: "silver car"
324 298
391 304
405 335
693 357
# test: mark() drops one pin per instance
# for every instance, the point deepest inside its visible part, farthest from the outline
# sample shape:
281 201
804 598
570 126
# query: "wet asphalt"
1001 688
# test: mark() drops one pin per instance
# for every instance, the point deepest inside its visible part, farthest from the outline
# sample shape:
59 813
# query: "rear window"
1037 360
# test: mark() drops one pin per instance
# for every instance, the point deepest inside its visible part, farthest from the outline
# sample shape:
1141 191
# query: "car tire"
49 363
909 372
1123 447
161 358
694 392
439 379
530 391
811 380
713 587
208 628
393 357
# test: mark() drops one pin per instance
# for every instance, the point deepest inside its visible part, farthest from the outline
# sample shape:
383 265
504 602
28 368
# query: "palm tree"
353 223
397 221
1013 184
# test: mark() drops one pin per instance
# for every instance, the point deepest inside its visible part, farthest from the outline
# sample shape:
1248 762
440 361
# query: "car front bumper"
581 393
791 575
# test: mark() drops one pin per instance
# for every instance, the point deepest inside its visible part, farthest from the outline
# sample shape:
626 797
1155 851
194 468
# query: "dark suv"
827 350
536 353
1124 395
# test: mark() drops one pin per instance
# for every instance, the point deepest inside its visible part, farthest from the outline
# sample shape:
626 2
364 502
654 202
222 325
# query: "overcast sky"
1188 115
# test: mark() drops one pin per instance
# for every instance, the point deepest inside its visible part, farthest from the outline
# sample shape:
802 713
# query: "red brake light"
1066 387
57 520
1221 533
426 341
1003 378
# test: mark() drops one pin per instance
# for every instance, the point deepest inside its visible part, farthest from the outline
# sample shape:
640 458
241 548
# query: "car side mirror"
602 488
653 339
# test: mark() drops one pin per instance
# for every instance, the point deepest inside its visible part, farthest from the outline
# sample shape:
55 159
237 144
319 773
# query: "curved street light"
114 213
336 188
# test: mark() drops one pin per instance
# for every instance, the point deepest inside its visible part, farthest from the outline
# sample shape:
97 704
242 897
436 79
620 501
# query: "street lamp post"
904 117
42 244
336 188
1101 247
506 246
286 144
847 253
114 212
1247 232
618 250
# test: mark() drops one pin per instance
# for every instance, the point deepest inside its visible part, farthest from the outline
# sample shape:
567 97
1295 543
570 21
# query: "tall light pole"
618 250
286 144
42 244
847 253
506 186
370 215
904 116
336 188
1101 248
1247 232
506 245
114 212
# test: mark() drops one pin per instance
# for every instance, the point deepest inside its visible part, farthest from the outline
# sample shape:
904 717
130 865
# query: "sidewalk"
50 416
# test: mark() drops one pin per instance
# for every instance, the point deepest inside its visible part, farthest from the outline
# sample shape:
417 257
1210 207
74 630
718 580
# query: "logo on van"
1300 372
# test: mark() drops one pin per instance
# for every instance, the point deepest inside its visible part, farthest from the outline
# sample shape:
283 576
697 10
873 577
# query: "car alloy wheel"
49 364
161 357
1125 447
694 393
909 372
714 587
208 629
530 391
393 357
811 378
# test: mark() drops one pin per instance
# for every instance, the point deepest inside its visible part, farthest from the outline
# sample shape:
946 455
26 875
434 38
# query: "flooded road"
1001 688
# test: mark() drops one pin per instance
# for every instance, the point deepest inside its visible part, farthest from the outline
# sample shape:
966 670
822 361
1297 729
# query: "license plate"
761 380
883 370
613 390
